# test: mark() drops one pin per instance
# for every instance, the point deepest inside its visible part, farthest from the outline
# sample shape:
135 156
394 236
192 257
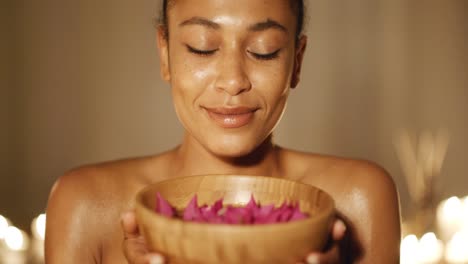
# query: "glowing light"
38 227
456 248
16 239
409 245
452 207
4 224
465 212
450 217
430 248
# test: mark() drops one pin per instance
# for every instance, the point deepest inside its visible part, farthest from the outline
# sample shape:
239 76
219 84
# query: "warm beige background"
82 85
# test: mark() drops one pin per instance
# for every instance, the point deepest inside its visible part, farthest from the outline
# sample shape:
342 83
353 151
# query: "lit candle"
16 239
430 249
408 250
38 226
457 248
450 217
465 213
4 224
16 242
427 250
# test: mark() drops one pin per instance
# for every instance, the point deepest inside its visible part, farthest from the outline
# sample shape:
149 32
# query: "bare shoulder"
105 186
327 170
366 199
85 204
95 181
109 179
72 198
366 174
364 180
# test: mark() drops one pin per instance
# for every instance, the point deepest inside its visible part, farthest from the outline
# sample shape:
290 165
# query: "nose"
232 77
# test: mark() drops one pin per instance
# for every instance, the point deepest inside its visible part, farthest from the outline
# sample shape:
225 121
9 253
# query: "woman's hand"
134 245
332 255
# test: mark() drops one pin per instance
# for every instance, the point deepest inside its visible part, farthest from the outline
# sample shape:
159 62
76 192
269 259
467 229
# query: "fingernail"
312 259
156 259
124 214
341 225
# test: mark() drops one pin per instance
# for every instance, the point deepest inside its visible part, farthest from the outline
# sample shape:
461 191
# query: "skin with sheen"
231 66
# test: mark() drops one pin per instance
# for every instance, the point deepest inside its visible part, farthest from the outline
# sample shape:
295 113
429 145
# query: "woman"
231 65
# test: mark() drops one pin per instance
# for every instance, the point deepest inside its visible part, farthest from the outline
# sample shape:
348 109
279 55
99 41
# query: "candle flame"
15 239
456 248
452 207
4 224
428 249
38 227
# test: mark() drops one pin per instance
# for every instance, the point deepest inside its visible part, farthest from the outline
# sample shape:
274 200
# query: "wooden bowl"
189 242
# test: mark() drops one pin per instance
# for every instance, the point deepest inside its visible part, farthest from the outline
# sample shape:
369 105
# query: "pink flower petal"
273 217
252 213
286 214
297 214
238 215
252 205
208 213
264 211
163 207
218 205
192 212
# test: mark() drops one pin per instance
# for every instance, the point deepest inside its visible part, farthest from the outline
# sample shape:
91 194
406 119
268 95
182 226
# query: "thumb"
338 230
129 224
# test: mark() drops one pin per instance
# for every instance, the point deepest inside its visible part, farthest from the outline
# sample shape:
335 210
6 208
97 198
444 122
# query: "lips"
231 117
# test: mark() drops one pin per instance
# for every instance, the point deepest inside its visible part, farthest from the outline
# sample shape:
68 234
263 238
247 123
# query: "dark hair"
296 5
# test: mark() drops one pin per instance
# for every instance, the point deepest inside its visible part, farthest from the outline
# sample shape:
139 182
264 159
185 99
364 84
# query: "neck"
191 158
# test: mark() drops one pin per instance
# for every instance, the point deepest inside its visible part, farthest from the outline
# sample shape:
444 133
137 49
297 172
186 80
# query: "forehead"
233 12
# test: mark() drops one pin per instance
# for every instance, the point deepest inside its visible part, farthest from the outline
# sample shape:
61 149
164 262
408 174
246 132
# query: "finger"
338 230
134 244
332 249
155 259
129 225
332 256
135 251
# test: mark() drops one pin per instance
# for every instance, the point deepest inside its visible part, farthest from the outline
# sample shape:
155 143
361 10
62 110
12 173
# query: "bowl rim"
328 211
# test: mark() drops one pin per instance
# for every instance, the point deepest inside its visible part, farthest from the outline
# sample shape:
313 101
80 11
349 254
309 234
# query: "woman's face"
231 65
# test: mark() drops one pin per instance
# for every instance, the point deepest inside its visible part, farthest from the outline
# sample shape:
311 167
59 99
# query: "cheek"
188 72
189 82
273 84
273 74
188 79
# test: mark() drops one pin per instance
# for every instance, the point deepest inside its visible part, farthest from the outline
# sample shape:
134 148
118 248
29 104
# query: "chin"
232 148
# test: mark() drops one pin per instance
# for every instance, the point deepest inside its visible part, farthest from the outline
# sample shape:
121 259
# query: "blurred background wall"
80 84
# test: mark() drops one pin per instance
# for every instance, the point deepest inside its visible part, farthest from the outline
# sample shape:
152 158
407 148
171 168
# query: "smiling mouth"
231 117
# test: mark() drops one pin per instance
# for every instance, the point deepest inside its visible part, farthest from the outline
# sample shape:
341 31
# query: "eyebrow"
268 24
261 26
200 21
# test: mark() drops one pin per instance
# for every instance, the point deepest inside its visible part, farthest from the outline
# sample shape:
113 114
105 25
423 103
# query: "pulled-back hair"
296 5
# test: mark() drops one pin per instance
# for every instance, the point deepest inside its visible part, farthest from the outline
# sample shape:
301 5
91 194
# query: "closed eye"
268 56
200 52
